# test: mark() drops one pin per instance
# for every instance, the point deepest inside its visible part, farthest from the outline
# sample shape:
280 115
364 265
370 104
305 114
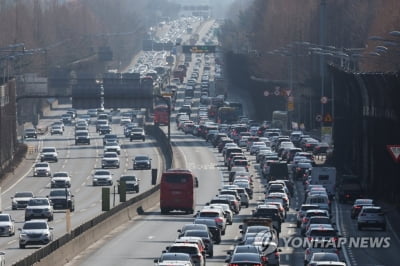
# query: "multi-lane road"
79 161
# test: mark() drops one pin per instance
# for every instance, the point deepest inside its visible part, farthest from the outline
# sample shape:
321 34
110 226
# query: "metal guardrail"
166 150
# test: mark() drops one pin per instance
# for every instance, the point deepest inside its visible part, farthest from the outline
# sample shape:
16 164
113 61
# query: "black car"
82 136
131 182
212 226
30 133
104 129
246 259
62 198
142 162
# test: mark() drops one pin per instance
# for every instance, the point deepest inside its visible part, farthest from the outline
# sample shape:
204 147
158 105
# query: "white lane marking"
12 241
287 257
83 184
396 236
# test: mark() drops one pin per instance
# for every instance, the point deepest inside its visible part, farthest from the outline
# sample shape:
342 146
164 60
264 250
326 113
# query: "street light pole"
322 57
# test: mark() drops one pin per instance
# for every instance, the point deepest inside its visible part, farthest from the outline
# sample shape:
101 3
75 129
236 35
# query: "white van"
325 176
321 200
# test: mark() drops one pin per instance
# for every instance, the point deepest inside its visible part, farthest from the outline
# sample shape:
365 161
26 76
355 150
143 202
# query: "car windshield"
183 249
48 150
110 155
35 225
41 165
60 175
137 130
175 257
141 158
29 130
60 192
23 195
4 218
325 256
128 178
246 257
197 233
38 202
102 173
208 214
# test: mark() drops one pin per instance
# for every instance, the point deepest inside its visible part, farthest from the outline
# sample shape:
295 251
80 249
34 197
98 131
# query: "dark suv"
61 198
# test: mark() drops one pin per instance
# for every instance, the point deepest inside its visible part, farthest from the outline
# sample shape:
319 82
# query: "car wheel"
27 219
211 254
21 246
72 209
137 190
164 211
298 225
51 218
223 232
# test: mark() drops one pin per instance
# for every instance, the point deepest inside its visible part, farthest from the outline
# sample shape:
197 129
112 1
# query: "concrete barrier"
75 246
66 247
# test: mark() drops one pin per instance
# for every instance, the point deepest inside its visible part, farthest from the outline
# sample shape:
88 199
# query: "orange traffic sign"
328 118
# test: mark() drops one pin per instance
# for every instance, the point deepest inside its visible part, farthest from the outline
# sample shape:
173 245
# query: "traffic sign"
290 106
324 100
266 93
328 118
394 150
318 118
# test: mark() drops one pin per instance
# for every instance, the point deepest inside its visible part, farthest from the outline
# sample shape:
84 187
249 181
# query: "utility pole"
322 16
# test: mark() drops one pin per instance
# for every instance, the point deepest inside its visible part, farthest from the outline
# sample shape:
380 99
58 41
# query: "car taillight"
304 220
233 264
218 220
264 258
308 252
357 207
347 196
337 251
276 254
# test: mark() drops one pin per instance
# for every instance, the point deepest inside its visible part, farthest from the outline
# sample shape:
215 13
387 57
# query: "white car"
112 146
20 199
7 226
35 232
41 169
60 180
110 159
49 154
56 129
102 177
371 216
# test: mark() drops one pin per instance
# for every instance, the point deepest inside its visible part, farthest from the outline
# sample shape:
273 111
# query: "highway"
80 161
141 240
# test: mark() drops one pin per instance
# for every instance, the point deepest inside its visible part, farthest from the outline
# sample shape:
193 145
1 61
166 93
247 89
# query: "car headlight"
94 178
22 235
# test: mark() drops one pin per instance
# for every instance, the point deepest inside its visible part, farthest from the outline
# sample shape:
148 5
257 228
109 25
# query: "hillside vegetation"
265 25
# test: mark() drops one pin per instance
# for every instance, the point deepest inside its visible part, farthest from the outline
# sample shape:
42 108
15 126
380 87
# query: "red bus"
177 191
161 115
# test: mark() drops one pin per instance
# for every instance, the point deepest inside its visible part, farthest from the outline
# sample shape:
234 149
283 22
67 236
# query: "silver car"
35 232
7 226
39 208
371 216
